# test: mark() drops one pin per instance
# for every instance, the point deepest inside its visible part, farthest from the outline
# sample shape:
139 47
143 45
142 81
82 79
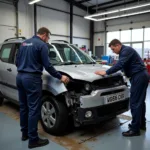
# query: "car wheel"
54 116
1 100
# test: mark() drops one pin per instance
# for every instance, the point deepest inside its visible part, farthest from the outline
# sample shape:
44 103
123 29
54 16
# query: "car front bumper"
98 97
103 112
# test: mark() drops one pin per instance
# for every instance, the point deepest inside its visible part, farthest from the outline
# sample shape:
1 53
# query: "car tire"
54 116
1 99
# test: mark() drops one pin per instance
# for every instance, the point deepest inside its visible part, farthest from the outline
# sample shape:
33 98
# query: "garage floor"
105 136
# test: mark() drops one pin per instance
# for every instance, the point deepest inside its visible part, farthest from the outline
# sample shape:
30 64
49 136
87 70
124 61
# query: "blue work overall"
31 58
133 66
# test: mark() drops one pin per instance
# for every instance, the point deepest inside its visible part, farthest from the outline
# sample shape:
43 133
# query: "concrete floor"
106 136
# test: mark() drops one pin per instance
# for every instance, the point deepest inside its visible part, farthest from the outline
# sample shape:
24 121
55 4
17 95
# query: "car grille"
108 82
112 92
112 108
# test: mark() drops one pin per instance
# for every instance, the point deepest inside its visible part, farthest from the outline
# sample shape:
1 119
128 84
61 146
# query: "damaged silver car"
86 99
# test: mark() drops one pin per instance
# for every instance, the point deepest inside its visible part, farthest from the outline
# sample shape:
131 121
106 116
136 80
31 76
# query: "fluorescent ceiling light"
100 14
34 1
125 15
134 7
119 16
118 10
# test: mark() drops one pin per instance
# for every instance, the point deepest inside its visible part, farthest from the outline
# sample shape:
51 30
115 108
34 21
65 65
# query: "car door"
12 73
5 54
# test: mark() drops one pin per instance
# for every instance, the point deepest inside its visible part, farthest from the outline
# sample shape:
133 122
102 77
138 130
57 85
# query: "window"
139 39
5 52
138 48
147 34
127 44
113 35
80 54
71 54
137 35
147 49
109 51
17 46
126 36
54 58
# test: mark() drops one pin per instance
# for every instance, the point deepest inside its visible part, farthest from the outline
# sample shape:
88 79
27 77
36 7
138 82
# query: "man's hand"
64 79
100 73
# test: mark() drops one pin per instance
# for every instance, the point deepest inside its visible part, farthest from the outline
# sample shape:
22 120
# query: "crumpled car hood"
83 72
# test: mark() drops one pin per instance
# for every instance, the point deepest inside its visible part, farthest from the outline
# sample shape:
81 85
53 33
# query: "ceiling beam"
83 1
106 3
75 3
116 5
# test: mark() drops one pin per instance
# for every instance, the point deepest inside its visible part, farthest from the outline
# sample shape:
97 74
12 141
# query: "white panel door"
7 32
56 22
7 21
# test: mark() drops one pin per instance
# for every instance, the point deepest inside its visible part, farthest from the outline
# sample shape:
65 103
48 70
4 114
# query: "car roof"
13 41
21 39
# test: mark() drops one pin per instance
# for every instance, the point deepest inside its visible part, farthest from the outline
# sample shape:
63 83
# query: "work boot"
38 143
130 133
24 137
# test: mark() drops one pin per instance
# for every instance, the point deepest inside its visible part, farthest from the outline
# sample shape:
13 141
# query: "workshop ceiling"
101 5
10 1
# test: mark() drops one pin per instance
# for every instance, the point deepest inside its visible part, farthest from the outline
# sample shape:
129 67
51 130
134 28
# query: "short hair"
43 30
114 42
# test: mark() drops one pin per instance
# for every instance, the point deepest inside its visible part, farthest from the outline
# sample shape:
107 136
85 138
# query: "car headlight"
87 87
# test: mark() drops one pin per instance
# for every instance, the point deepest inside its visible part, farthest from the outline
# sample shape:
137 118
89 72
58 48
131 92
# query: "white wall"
138 21
59 38
59 22
99 29
99 26
58 4
62 6
7 21
81 28
125 23
81 42
99 39
121 23
26 21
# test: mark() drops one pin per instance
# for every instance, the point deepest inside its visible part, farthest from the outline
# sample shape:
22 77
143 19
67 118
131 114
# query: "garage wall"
129 22
126 23
59 22
81 31
7 24
99 34
26 19
134 22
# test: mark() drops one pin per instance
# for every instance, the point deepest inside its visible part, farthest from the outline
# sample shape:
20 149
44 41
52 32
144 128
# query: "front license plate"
114 97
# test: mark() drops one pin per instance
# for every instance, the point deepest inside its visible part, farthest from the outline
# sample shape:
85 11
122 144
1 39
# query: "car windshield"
66 54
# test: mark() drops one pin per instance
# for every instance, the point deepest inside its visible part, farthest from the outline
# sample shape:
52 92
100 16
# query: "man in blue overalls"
31 58
134 68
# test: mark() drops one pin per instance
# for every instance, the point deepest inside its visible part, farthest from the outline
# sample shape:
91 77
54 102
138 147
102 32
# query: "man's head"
44 34
115 46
